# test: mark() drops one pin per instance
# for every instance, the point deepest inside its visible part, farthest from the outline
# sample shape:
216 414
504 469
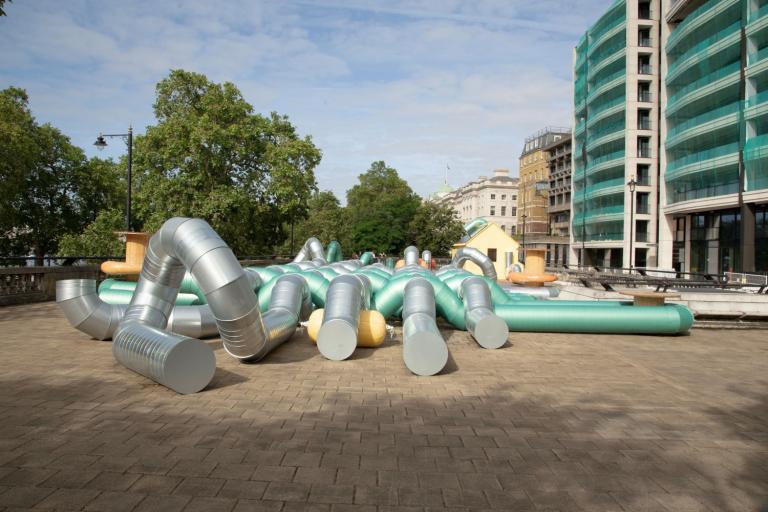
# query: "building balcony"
704 86
612 28
617 54
756 106
605 188
721 156
757 63
756 163
611 82
697 19
757 21
707 48
605 162
609 137
708 122
606 110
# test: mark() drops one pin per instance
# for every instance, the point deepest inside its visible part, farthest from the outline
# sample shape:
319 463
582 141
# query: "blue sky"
420 84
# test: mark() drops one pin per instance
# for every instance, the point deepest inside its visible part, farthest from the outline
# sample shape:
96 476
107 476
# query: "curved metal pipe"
311 249
424 349
347 294
333 253
476 257
367 258
193 321
85 311
488 329
411 255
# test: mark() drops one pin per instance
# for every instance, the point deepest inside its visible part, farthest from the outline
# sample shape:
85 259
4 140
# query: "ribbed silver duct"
424 350
411 255
88 313
488 329
189 243
193 321
347 294
476 257
426 255
85 311
311 249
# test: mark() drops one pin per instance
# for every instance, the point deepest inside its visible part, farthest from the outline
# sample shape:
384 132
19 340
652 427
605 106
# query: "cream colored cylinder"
371 330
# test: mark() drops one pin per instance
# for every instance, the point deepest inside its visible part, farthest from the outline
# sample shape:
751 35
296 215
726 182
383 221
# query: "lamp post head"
632 184
101 142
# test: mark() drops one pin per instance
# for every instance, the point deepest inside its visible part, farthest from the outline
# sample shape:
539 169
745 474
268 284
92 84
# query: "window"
641 231
644 37
493 196
643 119
644 64
644 147
492 254
644 10
643 200
514 211
514 198
644 174
504 228
644 92
503 197
503 211
493 210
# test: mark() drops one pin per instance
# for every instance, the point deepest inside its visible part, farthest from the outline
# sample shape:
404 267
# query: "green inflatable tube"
667 319
377 280
265 273
447 303
390 298
318 286
367 258
265 294
113 296
333 252
328 272
390 262
116 284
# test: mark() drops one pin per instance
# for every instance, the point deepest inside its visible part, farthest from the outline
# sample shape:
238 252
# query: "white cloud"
418 83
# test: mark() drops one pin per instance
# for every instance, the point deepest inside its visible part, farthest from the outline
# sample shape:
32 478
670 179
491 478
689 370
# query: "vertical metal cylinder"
424 350
312 248
426 255
347 294
488 329
411 255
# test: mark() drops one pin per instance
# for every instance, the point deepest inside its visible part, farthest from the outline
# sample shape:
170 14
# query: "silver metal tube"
192 244
311 249
476 257
411 255
426 255
424 349
88 313
85 311
347 294
289 302
488 329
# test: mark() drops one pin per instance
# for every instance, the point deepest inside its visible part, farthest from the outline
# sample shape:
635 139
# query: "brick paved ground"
550 422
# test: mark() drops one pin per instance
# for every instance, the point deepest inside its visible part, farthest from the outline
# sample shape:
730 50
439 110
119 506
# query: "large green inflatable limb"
390 262
318 286
113 296
116 284
367 258
333 252
328 272
667 319
378 279
447 303
266 273
389 300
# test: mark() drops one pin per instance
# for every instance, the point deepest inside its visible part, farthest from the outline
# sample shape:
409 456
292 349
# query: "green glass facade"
599 136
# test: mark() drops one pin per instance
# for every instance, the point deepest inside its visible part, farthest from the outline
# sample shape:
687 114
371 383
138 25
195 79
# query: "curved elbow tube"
311 249
473 226
192 244
347 295
411 255
424 349
488 329
476 257
85 311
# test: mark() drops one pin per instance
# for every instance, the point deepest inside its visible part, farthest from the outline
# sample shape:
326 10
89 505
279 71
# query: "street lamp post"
632 184
101 143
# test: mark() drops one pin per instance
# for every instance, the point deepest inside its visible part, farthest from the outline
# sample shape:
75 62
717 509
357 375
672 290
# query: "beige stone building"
493 198
534 180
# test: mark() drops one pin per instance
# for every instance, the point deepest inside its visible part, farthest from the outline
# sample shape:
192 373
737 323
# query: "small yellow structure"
492 241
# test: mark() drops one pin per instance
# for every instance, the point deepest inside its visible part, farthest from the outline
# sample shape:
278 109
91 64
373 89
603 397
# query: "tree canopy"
380 208
435 227
49 188
211 156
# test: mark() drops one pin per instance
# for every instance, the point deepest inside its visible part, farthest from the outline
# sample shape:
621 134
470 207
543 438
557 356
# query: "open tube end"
337 340
491 332
425 353
189 366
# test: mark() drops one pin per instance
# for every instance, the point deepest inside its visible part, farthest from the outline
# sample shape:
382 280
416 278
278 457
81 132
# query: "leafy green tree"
98 238
211 156
435 227
326 220
380 209
48 187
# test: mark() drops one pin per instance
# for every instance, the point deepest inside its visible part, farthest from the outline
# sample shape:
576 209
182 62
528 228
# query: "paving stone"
24 496
287 491
160 503
194 486
242 490
110 481
156 484
69 499
115 501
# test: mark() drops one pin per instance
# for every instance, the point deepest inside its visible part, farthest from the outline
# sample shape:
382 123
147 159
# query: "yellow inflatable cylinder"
371 330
